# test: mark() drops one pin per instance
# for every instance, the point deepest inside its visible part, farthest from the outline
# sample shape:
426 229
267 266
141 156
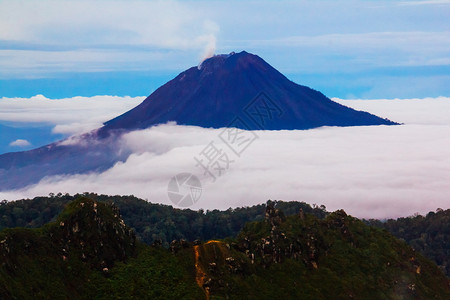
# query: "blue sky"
346 49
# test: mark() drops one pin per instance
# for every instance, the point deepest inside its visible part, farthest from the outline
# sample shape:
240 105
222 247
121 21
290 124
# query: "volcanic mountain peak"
231 62
214 61
227 86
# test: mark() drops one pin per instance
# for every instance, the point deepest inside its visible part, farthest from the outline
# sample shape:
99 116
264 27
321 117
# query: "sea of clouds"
370 171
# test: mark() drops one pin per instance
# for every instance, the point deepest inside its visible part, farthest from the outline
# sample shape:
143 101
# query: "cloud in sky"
74 36
20 143
389 48
417 111
39 38
373 171
68 115
164 24
425 2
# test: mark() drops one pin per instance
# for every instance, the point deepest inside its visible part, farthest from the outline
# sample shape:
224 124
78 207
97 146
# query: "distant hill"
89 253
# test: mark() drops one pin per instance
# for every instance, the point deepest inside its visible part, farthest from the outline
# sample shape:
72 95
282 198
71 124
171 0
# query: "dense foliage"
55 261
430 234
338 257
89 253
150 221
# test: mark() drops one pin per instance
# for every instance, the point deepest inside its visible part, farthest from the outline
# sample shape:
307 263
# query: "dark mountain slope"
228 86
77 155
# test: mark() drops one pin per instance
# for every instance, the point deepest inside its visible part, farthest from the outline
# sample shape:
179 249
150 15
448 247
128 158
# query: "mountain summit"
239 85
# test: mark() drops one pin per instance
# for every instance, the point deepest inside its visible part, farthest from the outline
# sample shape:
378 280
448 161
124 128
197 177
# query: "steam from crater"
209 50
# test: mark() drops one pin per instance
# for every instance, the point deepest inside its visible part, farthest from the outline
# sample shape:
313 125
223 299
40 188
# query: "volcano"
239 85
237 90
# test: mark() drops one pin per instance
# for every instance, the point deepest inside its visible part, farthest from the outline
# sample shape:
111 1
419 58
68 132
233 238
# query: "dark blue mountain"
236 90
86 153
239 85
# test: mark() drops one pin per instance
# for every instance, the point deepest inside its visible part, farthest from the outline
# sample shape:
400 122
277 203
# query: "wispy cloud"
74 36
163 24
369 49
425 2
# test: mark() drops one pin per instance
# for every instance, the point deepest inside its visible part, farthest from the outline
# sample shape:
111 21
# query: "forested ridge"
428 234
88 252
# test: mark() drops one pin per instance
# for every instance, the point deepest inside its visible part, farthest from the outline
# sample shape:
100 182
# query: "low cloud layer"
69 115
425 111
373 171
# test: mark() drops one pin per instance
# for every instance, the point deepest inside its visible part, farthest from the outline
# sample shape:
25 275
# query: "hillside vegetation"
89 253
428 234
